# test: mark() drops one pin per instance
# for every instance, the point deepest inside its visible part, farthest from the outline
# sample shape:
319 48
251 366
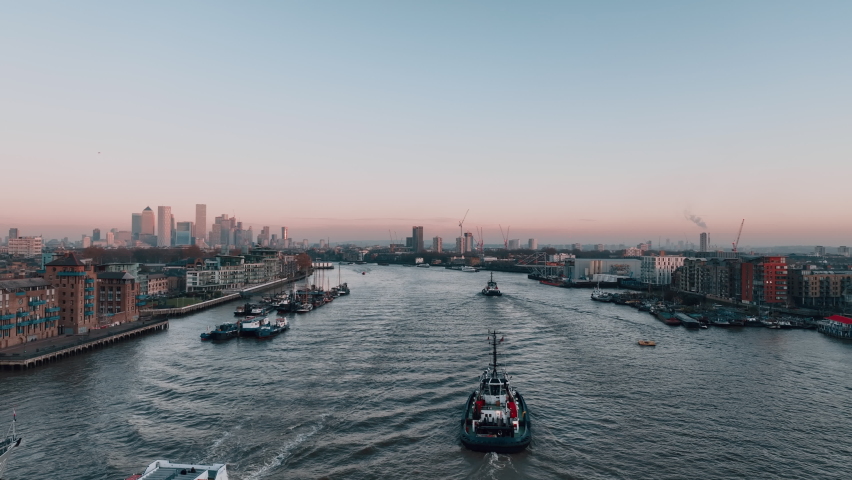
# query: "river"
372 386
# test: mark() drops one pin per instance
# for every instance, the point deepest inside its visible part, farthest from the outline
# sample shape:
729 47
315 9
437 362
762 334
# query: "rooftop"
841 319
69 260
23 283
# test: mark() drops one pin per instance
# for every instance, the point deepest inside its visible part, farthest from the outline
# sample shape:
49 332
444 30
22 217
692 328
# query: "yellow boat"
647 343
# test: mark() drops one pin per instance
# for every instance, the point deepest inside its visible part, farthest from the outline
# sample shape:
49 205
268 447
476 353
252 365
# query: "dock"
41 352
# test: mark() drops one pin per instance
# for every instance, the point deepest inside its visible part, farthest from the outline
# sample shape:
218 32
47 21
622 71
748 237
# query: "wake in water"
496 466
285 451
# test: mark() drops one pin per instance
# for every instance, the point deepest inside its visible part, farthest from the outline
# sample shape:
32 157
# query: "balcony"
37 302
141 304
51 309
141 297
89 289
89 297
53 318
23 314
90 280
7 317
20 294
7 327
89 305
26 323
89 313
72 274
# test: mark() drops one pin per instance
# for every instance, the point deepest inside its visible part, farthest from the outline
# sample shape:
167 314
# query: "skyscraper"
13 233
704 242
438 245
183 233
136 225
532 244
164 226
96 234
148 222
417 239
200 222
468 242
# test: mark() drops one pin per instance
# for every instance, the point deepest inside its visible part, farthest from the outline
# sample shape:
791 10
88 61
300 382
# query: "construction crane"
461 231
481 244
737 243
505 236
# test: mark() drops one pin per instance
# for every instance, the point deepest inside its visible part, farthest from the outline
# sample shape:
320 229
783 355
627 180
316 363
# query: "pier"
41 352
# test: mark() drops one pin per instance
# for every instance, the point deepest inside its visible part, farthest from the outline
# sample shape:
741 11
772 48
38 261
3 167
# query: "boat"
552 283
164 469
599 295
467 268
224 331
9 443
249 326
688 321
491 289
304 307
647 343
271 329
668 318
423 265
496 418
343 289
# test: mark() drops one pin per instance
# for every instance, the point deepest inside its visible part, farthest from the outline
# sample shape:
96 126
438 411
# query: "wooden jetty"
34 354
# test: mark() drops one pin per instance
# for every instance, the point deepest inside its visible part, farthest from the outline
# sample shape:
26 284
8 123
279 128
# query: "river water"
372 386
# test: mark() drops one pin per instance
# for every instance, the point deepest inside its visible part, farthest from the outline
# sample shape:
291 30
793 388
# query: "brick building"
117 292
74 282
28 311
820 288
764 280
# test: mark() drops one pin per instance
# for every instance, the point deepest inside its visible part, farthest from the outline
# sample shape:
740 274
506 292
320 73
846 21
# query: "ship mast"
494 350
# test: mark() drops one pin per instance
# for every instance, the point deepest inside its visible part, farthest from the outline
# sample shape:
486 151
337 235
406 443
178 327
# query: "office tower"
515 244
87 241
843 250
136 225
164 226
599 247
110 238
532 244
13 233
200 232
284 235
704 242
322 243
468 242
263 238
417 239
25 246
96 234
172 230
819 251
148 222
460 245
577 246
437 244
183 233
305 243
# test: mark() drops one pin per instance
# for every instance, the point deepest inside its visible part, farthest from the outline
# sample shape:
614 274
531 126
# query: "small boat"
496 418
164 469
9 443
271 329
647 343
224 331
304 307
250 325
423 265
363 273
491 289
598 295
552 283
469 269
343 289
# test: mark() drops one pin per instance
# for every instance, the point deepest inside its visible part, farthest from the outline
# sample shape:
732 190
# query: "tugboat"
10 442
495 417
224 331
164 469
491 289
271 329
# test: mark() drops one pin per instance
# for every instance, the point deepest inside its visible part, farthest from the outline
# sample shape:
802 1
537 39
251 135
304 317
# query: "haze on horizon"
604 122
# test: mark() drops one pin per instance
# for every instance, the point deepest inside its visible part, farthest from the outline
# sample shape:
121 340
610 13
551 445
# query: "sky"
591 122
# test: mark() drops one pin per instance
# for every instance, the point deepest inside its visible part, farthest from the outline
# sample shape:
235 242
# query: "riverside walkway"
40 352
178 311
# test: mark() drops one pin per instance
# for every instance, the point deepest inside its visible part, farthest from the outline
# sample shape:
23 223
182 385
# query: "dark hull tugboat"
491 289
495 418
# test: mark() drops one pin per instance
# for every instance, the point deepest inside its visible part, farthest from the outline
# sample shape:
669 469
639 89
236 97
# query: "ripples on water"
372 385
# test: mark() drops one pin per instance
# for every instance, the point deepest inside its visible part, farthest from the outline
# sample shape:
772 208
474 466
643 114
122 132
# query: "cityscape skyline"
612 122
